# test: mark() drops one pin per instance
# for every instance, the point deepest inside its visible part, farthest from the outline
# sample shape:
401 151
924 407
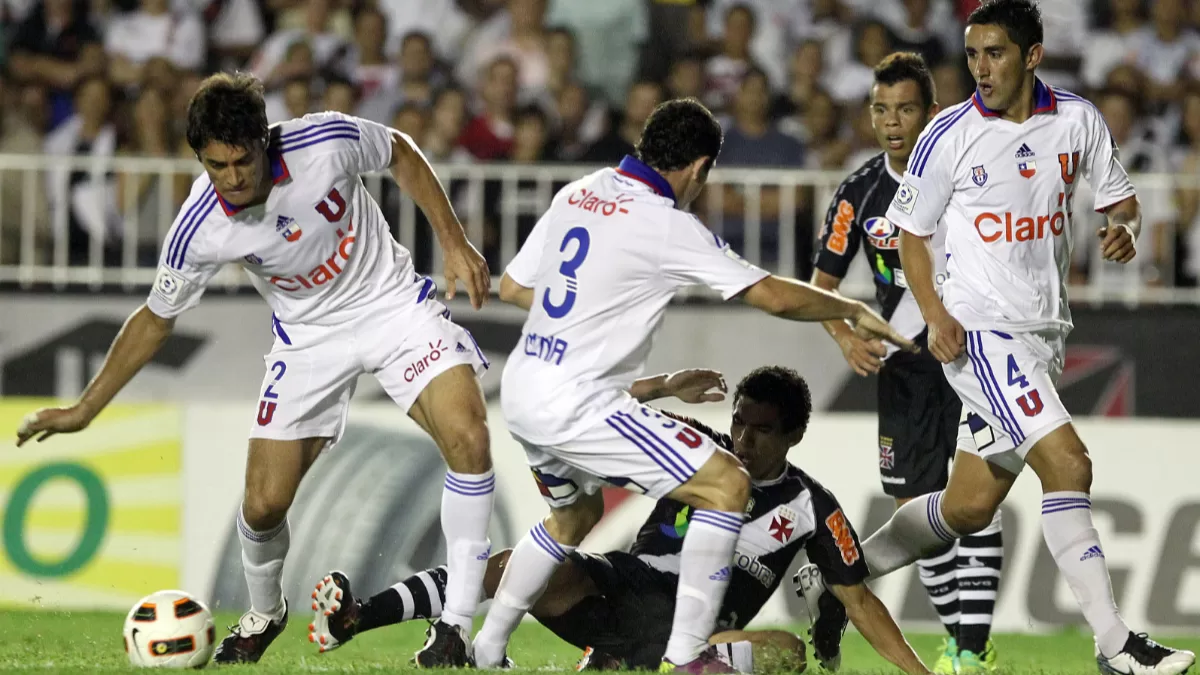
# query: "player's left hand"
462 262
695 385
1116 243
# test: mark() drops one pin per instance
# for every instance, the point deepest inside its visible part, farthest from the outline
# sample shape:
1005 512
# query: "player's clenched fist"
50 421
1116 243
946 337
462 262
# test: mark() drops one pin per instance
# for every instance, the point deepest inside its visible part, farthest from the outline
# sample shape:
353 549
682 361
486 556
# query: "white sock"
1075 544
262 559
534 560
466 510
916 530
704 572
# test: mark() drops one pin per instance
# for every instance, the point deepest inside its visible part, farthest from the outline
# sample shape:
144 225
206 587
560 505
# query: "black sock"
980 558
407 600
938 575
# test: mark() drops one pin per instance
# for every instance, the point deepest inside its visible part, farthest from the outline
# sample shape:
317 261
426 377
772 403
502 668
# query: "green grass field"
90 642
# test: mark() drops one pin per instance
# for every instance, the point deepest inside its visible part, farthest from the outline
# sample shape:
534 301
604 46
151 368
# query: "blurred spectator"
138 194
724 72
295 15
686 79
1186 244
419 77
446 124
805 72
531 141
489 135
831 28
777 23
608 35
827 149
18 136
1065 25
678 28
752 140
56 47
160 75
376 77
84 199
153 30
863 144
1165 48
235 29
1114 44
560 56
580 122
523 40
340 95
642 99
329 52
950 83
410 119
851 83
443 20
922 26
298 66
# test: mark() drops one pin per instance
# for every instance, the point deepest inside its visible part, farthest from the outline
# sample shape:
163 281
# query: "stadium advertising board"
91 520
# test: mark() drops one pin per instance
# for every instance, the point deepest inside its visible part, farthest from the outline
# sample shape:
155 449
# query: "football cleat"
446 646
1143 656
970 663
597 660
945 662
827 614
335 613
248 640
709 661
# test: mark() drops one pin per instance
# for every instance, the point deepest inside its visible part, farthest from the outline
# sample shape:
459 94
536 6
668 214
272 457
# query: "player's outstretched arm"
798 301
947 340
876 624
462 262
864 356
693 385
140 339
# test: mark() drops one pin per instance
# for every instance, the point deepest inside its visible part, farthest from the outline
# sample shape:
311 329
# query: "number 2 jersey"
318 250
603 262
857 218
789 514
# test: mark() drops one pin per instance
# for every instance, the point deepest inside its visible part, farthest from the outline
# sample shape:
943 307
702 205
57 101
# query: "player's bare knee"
1067 467
264 509
495 570
730 489
468 449
969 515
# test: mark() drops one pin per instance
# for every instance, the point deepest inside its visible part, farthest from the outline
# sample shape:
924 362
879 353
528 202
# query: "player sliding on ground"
999 173
918 410
286 204
618 606
596 274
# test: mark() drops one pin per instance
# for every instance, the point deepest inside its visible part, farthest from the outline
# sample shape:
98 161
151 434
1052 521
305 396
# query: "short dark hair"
899 67
1020 19
678 133
227 108
417 35
783 388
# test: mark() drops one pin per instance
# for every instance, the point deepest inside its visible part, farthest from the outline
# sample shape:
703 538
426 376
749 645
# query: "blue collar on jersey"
279 173
1044 100
632 167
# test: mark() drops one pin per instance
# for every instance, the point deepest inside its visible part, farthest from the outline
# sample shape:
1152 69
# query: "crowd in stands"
566 81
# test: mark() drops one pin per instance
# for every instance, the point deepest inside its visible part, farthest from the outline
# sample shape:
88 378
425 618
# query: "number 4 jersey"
603 263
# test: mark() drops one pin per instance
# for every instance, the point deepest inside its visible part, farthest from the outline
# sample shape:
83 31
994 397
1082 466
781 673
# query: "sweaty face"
996 63
897 115
237 173
758 438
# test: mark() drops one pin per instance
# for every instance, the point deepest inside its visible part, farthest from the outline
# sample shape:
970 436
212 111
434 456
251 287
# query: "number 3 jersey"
603 263
318 250
787 515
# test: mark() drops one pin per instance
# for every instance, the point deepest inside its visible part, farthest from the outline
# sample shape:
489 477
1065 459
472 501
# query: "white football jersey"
318 250
603 261
1004 192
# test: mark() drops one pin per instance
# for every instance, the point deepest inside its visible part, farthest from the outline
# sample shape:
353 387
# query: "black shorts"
632 620
918 425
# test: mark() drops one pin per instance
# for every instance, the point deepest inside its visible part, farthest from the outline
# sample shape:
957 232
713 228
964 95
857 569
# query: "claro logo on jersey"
326 271
1009 227
588 201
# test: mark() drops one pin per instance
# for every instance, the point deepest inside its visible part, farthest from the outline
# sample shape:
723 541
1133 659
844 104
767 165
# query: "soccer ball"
169 629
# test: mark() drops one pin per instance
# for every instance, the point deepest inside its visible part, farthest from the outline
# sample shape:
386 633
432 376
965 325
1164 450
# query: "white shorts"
1007 385
632 447
312 370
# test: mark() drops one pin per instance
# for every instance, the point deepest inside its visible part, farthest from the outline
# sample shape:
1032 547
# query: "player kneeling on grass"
618 606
